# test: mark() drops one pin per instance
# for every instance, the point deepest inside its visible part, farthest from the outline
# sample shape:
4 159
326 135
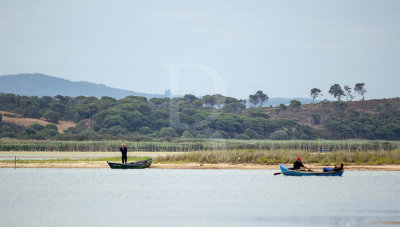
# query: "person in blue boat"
338 167
298 164
124 152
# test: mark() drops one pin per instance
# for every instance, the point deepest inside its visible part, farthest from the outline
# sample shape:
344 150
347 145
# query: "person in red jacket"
299 165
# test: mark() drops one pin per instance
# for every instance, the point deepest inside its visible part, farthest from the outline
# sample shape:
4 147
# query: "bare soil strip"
19 120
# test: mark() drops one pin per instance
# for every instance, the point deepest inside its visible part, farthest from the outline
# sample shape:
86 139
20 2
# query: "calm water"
156 197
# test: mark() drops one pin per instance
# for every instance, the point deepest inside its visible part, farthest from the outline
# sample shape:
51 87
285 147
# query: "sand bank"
103 164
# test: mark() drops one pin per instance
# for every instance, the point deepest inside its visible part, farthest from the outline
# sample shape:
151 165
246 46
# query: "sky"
284 48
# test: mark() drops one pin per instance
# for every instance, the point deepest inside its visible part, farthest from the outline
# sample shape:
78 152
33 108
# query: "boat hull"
132 165
289 172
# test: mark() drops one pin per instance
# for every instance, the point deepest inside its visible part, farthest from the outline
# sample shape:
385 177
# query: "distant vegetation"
284 156
185 145
136 118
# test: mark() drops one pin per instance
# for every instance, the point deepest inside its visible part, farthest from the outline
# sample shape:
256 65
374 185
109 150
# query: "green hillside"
212 116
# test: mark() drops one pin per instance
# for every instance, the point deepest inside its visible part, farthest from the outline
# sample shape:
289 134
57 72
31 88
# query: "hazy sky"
284 48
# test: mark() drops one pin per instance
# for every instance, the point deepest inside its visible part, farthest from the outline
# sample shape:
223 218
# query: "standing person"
299 165
124 152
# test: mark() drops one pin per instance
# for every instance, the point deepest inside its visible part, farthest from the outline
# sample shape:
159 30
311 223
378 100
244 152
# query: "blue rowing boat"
291 172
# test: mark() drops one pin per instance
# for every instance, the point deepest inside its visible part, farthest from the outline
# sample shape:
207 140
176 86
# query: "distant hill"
43 85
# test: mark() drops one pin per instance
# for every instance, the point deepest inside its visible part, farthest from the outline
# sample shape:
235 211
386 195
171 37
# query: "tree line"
210 116
337 92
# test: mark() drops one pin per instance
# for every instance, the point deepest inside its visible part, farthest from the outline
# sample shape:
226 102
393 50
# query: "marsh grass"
285 156
199 145
267 157
225 151
72 160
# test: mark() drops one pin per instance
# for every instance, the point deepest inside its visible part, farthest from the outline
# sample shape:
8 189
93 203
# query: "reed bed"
187 145
285 156
67 160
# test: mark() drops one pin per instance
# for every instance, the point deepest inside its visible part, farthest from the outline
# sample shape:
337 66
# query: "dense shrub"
242 137
279 135
145 130
295 104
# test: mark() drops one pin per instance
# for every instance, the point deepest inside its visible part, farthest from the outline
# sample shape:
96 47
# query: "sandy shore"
51 156
102 164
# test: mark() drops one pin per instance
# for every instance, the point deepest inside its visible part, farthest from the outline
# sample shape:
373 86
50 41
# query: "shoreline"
246 166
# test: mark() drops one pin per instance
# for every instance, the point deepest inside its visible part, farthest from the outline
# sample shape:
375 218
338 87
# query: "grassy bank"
199 145
285 156
246 157
263 157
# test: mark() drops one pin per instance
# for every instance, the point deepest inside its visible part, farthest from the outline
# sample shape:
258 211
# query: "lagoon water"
160 197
